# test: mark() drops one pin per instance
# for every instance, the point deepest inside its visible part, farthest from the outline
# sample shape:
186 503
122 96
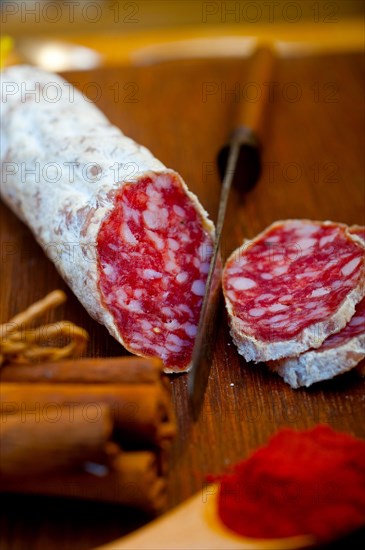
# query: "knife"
239 165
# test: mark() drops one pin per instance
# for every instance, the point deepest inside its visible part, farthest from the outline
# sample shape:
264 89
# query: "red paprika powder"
302 483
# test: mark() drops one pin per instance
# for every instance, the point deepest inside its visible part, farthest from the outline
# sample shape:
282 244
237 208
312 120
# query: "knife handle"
251 113
249 125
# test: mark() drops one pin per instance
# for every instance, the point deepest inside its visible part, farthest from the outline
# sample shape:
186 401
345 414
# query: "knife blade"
239 164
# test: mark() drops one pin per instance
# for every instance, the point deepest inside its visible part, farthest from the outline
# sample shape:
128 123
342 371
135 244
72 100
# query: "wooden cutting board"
313 167
195 524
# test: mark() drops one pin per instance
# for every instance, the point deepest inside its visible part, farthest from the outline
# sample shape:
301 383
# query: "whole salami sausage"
292 286
125 233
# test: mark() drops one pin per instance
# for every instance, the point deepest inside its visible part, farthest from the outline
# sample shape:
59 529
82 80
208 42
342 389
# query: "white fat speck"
151 274
163 182
303 230
265 297
137 339
277 307
174 343
280 324
171 255
184 309
190 329
237 269
173 348
110 272
320 292
153 207
306 245
129 213
112 247
173 339
127 234
182 277
328 239
279 317
350 266
120 296
242 283
310 273
311 305
332 262
318 313
289 326
270 252
266 276
138 293
155 239
306 275
167 311
204 268
285 298
134 306
256 311
146 325
196 263
178 210
153 194
198 288
151 219
172 324
280 270
170 266
173 244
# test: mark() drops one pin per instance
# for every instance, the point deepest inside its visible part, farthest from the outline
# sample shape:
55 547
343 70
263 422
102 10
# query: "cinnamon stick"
122 370
141 412
130 478
31 445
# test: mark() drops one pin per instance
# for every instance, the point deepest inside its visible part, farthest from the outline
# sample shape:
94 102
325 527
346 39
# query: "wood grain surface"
313 167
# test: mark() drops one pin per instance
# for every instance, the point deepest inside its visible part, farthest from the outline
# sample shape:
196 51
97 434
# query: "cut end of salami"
154 254
292 286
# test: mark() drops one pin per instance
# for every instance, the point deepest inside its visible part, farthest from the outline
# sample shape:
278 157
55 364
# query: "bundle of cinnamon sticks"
87 428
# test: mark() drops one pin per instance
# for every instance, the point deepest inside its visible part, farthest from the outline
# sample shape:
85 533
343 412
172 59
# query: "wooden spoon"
195 525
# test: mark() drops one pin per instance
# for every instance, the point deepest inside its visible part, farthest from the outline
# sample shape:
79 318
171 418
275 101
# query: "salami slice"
126 234
292 286
339 353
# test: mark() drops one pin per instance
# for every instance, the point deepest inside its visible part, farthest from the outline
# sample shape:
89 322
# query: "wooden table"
313 168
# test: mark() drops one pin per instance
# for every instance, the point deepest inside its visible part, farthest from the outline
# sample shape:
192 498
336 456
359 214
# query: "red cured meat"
292 286
154 259
339 353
